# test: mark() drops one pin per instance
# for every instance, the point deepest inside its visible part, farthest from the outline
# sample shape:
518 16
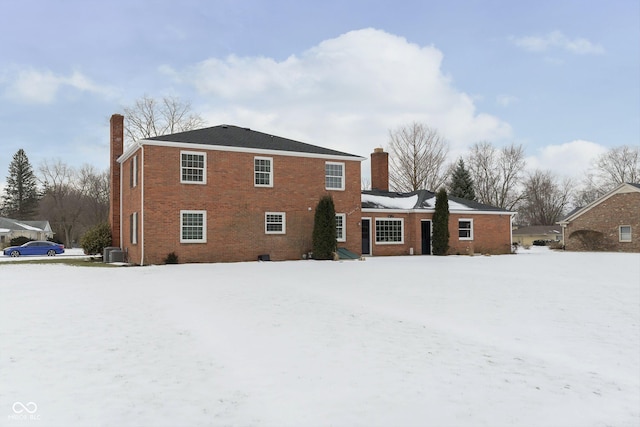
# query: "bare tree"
546 198
618 165
73 201
497 174
149 117
417 155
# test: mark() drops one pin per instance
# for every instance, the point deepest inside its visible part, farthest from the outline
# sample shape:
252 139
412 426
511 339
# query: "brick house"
401 223
225 194
610 223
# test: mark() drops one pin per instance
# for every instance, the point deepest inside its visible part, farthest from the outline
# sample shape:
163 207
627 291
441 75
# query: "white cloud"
345 93
33 86
557 39
505 100
570 159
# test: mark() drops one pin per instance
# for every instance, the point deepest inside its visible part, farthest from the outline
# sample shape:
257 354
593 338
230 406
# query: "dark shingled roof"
234 136
423 197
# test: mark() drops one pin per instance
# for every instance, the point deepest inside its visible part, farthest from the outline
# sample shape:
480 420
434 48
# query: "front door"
425 232
366 236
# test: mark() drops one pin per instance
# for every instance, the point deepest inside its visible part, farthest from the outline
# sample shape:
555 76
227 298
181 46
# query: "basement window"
193 167
624 233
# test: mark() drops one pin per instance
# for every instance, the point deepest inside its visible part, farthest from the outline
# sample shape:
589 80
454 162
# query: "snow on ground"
537 339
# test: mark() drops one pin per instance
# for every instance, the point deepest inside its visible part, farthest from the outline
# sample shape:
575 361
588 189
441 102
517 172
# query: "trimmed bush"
96 239
324 229
172 258
20 240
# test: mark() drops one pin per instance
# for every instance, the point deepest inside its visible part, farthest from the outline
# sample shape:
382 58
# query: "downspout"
141 204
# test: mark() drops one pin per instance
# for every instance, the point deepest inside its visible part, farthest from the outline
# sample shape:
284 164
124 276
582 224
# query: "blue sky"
561 77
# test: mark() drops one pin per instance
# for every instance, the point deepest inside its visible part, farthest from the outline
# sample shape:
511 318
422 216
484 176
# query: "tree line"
498 177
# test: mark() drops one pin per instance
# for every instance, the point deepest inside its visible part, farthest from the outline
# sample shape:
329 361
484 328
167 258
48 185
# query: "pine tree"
20 198
461 184
324 229
440 242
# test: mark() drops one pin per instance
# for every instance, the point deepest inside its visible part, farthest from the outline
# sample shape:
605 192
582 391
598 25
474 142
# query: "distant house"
34 230
525 236
610 223
228 193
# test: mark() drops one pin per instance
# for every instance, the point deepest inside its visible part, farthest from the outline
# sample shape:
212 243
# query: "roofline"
452 211
189 145
596 202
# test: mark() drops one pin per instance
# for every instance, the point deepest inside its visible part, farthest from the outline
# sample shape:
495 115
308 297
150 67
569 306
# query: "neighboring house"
401 223
226 194
34 230
525 236
610 223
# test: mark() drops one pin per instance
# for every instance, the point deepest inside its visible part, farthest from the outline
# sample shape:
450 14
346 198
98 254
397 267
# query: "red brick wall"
491 234
235 207
606 217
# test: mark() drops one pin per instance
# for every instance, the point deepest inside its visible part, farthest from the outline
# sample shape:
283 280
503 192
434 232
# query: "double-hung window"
341 224
193 226
193 167
389 231
624 233
263 171
334 176
275 223
465 229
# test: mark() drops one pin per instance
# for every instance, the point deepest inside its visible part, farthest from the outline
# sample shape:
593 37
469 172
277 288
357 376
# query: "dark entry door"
366 236
426 237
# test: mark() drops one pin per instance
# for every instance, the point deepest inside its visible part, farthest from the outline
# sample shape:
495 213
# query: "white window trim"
134 228
470 220
342 183
620 234
204 226
284 223
270 159
204 172
375 228
344 227
134 171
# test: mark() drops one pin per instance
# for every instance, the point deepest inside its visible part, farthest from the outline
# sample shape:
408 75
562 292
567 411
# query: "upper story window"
193 226
263 171
275 223
341 223
625 233
334 176
389 231
134 171
465 229
193 167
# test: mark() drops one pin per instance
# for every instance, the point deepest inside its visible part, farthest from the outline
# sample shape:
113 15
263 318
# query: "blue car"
38 247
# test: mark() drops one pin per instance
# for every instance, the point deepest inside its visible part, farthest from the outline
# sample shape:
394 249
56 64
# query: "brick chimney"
379 170
116 145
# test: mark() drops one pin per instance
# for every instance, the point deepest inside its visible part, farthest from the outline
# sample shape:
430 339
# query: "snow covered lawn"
536 339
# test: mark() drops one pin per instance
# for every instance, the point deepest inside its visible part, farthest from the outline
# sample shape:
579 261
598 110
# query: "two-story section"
227 193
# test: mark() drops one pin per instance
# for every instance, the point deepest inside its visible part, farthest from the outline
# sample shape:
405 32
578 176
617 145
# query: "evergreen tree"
20 198
440 240
461 184
324 229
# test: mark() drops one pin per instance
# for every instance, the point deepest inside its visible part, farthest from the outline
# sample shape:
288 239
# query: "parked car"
38 247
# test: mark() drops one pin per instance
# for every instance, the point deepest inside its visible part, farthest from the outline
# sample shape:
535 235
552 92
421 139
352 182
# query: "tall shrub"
440 240
324 229
96 239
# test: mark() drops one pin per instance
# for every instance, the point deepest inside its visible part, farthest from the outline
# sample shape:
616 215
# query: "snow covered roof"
419 200
9 224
